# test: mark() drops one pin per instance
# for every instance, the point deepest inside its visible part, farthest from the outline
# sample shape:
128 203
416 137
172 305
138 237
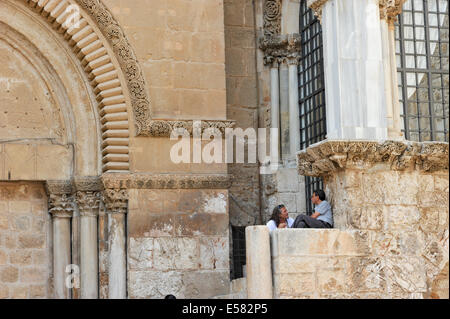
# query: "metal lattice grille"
239 257
311 80
313 127
422 51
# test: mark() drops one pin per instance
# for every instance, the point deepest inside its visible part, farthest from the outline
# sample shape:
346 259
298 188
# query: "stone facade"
25 245
86 177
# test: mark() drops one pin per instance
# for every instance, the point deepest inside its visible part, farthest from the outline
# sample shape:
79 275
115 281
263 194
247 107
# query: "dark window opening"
238 256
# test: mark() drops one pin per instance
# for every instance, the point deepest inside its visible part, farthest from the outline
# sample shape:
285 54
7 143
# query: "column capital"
61 203
390 9
88 202
280 48
116 200
316 6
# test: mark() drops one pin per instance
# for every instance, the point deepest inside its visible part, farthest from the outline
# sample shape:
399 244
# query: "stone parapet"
327 156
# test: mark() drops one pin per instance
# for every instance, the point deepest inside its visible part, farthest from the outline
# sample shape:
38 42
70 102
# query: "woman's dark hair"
320 193
276 214
170 297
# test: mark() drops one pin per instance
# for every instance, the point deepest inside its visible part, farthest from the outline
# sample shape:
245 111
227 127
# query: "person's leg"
313 223
299 222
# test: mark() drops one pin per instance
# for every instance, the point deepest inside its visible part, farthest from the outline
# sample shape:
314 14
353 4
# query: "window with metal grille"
239 257
313 126
422 51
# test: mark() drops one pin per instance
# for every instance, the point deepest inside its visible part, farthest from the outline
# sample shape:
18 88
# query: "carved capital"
272 17
88 203
116 200
390 9
316 6
281 48
326 157
60 200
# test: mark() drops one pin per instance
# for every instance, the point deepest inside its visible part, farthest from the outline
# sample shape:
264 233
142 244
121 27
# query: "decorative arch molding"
97 62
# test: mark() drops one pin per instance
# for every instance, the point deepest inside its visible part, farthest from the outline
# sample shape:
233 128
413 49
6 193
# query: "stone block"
365 275
9 274
320 242
31 241
332 281
367 218
33 275
19 292
20 161
287 180
38 291
205 284
4 291
53 162
297 284
20 207
402 217
20 257
175 254
214 253
155 284
140 253
3 258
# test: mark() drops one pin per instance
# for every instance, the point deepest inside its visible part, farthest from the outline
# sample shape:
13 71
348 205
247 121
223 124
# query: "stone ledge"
326 157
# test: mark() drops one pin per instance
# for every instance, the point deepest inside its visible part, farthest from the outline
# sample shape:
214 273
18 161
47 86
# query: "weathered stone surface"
140 253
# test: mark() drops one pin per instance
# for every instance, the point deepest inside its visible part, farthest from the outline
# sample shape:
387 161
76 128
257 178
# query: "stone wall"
178 243
404 216
395 195
242 105
25 252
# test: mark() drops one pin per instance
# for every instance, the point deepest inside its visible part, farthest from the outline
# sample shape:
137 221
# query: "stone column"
61 208
353 64
259 263
116 201
294 115
88 199
284 49
389 9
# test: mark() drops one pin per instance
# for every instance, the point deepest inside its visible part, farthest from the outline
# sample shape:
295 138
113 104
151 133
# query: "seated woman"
280 218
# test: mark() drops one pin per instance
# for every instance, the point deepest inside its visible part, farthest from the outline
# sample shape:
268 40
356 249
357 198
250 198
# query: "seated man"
322 217
280 218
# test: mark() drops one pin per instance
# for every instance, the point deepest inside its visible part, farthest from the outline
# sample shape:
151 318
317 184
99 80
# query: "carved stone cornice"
166 181
163 128
281 48
327 157
60 199
272 17
390 9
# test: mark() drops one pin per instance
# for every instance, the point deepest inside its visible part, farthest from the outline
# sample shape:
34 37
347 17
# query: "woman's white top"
271 224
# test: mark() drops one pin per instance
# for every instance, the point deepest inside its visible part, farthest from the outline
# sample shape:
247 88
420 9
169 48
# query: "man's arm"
315 215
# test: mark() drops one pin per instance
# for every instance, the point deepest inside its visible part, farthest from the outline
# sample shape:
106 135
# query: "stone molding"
272 17
166 181
163 128
60 201
390 9
281 49
326 157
